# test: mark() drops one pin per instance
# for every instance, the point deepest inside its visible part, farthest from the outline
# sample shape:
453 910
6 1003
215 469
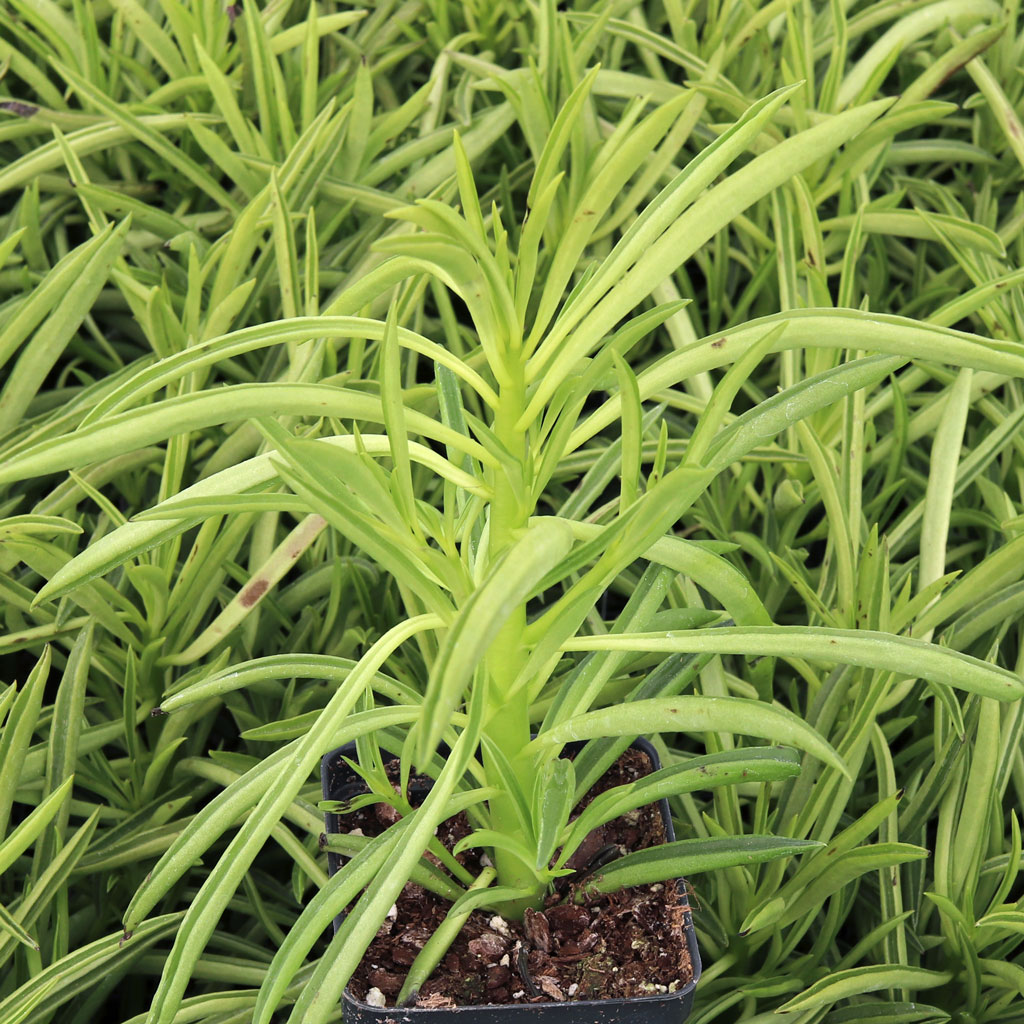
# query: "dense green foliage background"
173 170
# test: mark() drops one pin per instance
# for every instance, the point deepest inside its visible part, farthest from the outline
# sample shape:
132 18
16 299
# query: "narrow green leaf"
859 980
175 416
695 714
862 647
691 857
749 764
17 734
553 796
632 433
31 828
394 419
10 925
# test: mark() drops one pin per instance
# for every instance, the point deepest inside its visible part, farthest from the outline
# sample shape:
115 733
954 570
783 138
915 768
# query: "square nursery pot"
340 783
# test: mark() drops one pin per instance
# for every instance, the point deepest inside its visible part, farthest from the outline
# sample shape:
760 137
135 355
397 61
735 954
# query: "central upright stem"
508 719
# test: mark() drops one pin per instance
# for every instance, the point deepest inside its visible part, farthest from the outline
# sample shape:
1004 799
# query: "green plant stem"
508 720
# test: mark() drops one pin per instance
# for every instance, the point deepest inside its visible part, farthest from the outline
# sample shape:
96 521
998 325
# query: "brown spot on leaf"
949 74
19 108
254 591
719 343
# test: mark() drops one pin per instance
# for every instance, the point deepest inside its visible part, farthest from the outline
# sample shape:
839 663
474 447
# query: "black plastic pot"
341 783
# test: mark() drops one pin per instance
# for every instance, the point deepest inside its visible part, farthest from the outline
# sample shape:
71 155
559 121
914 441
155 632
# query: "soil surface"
624 945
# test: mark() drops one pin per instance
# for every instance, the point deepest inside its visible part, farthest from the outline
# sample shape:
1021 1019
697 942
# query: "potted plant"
497 959
499 692
502 691
507 657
